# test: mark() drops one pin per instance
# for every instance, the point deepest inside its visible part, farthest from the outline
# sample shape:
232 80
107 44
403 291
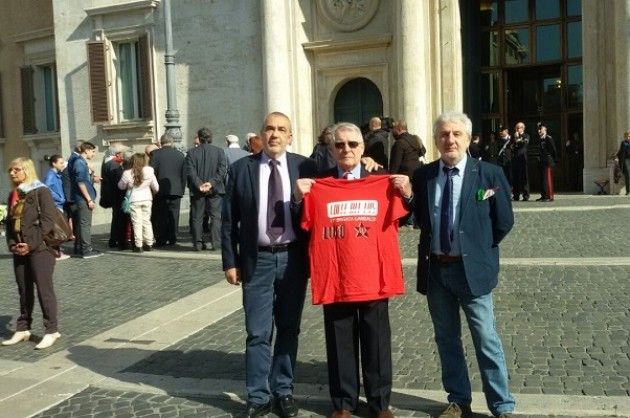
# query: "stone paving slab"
98 294
565 331
98 402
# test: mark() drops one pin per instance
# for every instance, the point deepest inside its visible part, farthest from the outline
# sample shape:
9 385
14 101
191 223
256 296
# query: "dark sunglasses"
351 144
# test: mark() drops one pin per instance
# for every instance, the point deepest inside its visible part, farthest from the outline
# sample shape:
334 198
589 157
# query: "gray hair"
167 139
347 126
452 116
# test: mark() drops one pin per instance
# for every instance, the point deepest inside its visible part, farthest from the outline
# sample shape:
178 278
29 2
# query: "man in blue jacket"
83 197
464 210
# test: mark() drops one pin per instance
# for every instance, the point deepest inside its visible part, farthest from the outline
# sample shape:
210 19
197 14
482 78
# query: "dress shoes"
286 406
47 341
18 337
542 199
341 413
256 410
147 247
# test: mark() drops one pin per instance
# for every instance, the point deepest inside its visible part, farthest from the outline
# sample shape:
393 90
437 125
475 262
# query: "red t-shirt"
353 248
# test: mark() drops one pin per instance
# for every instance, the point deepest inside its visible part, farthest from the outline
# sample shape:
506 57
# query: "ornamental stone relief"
347 15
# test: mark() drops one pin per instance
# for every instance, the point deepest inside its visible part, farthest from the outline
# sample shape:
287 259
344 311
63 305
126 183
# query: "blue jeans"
447 291
273 295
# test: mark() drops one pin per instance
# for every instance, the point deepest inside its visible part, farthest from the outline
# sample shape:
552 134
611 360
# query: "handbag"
61 231
125 206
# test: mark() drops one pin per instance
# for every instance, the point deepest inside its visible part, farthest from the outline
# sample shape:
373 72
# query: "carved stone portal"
347 15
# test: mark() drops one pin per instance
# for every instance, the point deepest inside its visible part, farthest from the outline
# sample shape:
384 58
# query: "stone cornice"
123 8
336 46
34 35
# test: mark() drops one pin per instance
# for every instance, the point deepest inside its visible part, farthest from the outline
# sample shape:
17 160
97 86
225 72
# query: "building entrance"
357 101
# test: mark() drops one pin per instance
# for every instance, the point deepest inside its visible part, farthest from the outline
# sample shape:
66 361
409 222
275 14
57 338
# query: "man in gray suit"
206 167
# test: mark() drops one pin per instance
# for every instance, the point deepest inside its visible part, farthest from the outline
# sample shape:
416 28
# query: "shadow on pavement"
212 364
5 331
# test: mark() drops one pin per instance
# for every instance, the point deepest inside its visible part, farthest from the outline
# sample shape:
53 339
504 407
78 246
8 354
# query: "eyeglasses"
351 144
15 169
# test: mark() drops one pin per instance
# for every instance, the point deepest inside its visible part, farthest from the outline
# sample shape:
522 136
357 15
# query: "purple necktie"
275 203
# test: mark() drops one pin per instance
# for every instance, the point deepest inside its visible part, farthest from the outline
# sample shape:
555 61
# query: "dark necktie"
446 212
275 203
347 175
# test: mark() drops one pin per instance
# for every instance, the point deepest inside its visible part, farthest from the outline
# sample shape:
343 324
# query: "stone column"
606 80
622 68
450 50
413 32
276 41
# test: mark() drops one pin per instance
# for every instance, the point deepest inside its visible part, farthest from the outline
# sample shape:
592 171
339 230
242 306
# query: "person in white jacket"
141 184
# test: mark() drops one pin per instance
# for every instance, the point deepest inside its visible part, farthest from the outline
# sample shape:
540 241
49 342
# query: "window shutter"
97 68
1 120
28 100
57 126
146 84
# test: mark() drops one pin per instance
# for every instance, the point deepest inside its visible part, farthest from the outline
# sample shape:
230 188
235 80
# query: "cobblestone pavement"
98 294
103 403
564 328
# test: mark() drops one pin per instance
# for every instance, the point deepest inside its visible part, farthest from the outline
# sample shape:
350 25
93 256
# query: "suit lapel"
431 184
294 171
468 187
254 176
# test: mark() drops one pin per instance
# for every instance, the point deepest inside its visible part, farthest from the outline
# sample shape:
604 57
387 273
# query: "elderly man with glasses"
355 269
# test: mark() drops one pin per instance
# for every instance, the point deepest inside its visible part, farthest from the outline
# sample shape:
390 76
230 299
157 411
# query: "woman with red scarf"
31 211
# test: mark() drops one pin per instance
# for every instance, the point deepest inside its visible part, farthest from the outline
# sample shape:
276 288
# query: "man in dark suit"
112 196
546 163
376 141
350 325
520 182
264 248
464 210
168 163
206 168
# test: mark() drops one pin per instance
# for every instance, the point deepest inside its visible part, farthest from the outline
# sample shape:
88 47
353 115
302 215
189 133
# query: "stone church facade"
94 69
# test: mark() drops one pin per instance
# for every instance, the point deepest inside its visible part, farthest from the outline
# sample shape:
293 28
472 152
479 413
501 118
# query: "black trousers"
350 327
166 218
520 184
198 206
118 228
36 269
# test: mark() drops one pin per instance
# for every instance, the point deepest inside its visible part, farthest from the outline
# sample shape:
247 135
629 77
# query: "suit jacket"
623 153
239 231
333 172
206 163
547 148
111 195
376 146
483 223
168 164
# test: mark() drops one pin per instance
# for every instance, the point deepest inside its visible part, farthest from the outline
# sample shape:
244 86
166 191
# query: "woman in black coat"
31 216
623 158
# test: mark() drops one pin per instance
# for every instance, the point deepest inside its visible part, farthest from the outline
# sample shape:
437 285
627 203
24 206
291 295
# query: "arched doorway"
357 101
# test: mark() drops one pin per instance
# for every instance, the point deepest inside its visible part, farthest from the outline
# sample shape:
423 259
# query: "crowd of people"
280 218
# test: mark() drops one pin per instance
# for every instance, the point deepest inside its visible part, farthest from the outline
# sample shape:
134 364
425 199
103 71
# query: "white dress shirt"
263 185
458 180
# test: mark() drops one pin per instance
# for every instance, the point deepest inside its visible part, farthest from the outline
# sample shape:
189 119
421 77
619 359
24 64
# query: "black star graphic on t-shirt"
362 230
